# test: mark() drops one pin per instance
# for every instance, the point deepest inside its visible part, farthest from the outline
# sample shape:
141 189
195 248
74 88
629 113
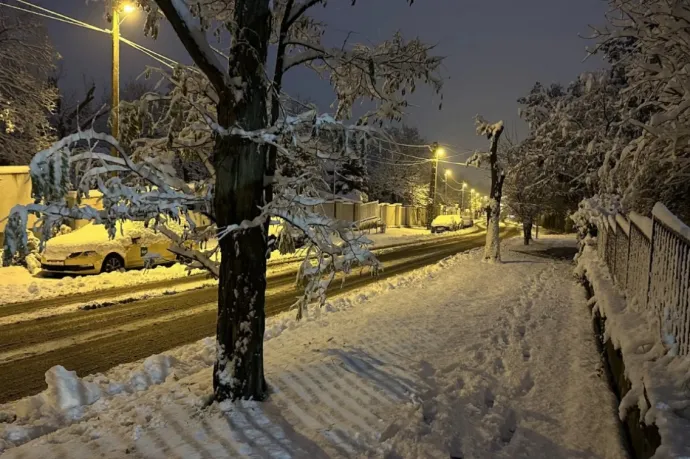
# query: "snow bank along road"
129 284
461 359
96 340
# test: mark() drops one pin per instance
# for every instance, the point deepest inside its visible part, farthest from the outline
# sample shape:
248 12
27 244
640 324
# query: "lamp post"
464 185
471 201
447 173
126 8
436 153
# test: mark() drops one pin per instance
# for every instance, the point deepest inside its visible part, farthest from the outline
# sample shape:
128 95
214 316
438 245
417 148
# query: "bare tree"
27 97
77 110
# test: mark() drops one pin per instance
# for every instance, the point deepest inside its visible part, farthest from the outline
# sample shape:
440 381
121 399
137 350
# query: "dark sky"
495 50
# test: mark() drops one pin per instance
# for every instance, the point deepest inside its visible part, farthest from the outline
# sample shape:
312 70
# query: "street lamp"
464 185
437 152
472 201
448 173
127 8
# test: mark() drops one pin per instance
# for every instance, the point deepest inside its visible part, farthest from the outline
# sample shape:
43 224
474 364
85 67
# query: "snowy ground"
443 362
18 285
409 235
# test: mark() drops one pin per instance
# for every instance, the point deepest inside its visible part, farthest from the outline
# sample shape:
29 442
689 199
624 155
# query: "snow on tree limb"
194 40
27 96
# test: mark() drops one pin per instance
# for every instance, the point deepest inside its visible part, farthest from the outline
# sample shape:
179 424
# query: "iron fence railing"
649 259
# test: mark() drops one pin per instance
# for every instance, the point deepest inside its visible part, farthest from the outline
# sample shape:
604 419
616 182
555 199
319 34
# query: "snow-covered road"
96 340
463 359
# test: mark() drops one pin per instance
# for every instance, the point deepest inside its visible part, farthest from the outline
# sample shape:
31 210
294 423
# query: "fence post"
627 262
651 263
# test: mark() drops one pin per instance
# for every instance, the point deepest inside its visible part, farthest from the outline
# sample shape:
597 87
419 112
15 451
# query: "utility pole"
115 94
435 152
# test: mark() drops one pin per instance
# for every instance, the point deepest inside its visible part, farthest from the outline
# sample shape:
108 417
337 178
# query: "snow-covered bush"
589 215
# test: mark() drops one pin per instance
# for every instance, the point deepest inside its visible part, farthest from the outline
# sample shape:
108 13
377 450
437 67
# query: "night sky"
495 51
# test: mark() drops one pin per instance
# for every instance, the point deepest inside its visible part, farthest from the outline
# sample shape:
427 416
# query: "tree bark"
239 194
492 250
527 231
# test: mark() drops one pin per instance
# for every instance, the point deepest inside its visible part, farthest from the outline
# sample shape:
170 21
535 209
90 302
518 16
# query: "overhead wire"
50 14
55 13
396 164
72 22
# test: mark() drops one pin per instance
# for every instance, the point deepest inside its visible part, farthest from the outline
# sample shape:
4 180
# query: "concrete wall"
15 188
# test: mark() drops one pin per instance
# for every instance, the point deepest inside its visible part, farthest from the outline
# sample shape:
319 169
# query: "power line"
376 161
168 62
54 13
72 22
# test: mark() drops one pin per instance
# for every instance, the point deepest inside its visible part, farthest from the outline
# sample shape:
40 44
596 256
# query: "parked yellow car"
89 250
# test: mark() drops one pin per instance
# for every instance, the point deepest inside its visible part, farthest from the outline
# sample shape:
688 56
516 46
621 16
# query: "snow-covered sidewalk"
462 359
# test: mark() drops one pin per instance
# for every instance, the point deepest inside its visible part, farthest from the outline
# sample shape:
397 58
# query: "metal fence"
649 259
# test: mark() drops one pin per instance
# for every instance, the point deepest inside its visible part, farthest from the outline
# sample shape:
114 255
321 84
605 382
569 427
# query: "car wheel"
112 263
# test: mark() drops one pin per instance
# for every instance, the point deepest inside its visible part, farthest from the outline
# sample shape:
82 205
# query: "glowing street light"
127 8
436 153
447 173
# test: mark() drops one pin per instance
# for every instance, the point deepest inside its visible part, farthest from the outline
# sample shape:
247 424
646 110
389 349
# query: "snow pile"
69 399
659 380
383 368
52 311
66 394
17 285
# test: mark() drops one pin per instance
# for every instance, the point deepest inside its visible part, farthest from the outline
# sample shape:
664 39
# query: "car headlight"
82 254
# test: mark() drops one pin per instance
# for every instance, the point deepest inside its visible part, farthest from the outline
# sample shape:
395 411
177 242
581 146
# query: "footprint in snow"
489 398
498 365
508 427
521 329
526 385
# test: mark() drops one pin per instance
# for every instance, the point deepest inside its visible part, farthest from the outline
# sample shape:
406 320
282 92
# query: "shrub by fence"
649 260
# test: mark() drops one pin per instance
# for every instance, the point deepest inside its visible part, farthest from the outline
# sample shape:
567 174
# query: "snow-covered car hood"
88 238
446 220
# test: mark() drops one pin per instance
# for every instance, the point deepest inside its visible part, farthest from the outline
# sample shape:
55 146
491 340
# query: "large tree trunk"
492 249
239 194
527 231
